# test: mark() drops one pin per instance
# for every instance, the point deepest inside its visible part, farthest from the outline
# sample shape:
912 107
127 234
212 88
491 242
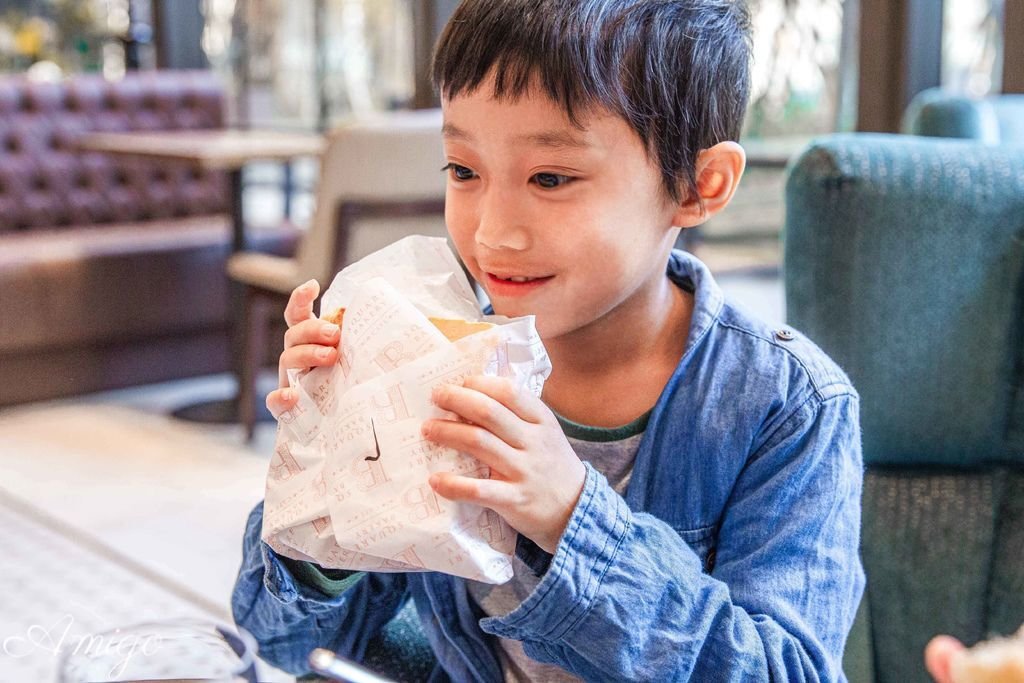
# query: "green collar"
574 430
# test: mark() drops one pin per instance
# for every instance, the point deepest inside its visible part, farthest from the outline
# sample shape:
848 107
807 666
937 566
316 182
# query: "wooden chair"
380 180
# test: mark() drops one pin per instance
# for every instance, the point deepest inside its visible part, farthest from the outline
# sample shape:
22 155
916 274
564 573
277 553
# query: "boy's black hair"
678 71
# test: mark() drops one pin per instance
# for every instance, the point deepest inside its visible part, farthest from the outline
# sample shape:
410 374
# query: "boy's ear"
719 170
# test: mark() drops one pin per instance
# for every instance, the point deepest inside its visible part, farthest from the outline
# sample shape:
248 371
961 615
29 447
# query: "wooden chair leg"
252 357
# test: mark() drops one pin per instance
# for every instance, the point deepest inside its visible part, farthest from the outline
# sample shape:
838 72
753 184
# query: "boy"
687 492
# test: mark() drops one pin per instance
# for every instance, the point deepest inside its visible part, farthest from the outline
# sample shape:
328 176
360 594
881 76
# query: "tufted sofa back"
46 182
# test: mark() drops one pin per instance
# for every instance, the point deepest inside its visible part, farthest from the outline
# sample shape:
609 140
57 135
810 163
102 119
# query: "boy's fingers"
474 440
307 344
312 331
308 356
303 358
300 303
480 409
489 493
524 404
280 400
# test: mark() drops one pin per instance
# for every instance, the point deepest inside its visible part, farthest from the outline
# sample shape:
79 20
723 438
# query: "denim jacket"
732 557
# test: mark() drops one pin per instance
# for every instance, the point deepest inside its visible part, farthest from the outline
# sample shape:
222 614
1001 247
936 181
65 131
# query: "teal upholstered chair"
904 260
994 120
401 652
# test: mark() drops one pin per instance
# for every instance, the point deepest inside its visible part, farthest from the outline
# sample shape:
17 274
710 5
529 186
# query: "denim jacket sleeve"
289 619
625 598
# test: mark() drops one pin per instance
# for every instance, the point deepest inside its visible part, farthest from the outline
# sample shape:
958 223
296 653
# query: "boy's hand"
536 478
307 343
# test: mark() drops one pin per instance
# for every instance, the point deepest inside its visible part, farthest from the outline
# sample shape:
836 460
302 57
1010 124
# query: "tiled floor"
148 515
49 608
171 497
171 494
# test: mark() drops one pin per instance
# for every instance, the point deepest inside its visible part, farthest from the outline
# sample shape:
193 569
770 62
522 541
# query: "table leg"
287 188
238 240
228 411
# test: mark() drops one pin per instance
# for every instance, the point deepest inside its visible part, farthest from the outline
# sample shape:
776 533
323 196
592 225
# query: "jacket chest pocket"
703 541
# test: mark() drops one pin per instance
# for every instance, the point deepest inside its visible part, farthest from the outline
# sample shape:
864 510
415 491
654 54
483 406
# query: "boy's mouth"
513 285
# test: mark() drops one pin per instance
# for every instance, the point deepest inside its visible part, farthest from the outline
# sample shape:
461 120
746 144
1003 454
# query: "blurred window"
51 38
796 71
309 63
972 46
804 70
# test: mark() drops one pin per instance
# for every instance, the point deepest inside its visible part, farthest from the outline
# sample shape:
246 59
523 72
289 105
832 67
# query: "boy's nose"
502 224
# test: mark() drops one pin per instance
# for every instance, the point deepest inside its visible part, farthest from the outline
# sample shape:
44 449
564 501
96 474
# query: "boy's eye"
549 181
461 173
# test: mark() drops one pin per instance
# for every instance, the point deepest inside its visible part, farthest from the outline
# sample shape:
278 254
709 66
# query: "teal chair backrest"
994 120
904 260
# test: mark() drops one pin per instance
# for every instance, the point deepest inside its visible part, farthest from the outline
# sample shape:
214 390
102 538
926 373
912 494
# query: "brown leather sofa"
111 269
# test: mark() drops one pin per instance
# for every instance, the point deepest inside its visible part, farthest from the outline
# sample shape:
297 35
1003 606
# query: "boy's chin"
549 328
512 311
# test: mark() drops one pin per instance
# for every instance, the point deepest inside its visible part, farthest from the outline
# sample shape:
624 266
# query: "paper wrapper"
347 486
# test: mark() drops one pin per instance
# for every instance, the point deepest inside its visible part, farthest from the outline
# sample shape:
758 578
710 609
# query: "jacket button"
784 334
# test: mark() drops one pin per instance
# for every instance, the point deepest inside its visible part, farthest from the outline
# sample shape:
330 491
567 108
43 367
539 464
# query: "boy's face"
582 213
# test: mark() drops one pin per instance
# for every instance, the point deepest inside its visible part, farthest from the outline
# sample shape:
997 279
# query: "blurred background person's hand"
938 655
997 660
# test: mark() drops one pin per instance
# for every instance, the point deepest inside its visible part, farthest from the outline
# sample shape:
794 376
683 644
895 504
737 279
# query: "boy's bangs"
524 59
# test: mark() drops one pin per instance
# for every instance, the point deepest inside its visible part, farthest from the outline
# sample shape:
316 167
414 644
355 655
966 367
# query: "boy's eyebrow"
551 138
554 138
449 130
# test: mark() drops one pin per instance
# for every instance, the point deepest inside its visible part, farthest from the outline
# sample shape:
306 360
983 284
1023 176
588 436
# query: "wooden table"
217 150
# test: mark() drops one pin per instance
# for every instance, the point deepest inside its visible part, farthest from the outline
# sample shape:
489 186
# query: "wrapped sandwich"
453 330
347 486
